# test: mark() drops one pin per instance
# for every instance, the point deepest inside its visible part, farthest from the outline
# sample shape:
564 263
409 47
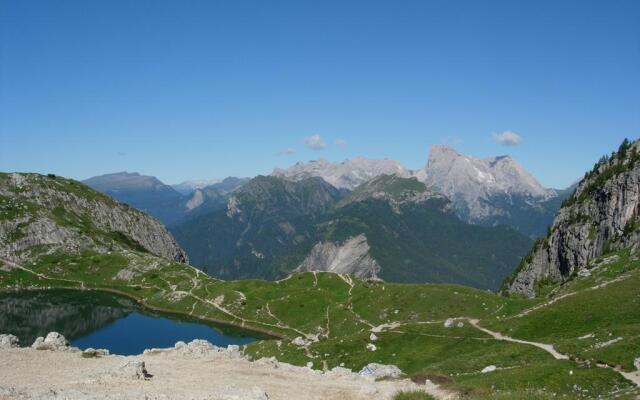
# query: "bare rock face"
68 215
472 183
601 216
351 257
8 341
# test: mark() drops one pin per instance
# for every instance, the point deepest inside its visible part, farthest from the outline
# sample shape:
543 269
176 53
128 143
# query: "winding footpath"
630 376
498 336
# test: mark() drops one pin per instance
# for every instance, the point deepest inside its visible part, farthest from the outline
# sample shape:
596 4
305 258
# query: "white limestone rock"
9 341
54 341
351 257
377 371
299 341
490 368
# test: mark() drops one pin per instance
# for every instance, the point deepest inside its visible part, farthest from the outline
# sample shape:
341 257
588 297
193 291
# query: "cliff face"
490 191
49 213
602 215
351 257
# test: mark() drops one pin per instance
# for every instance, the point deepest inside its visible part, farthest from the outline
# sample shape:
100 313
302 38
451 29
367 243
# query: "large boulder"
8 341
131 370
54 341
377 371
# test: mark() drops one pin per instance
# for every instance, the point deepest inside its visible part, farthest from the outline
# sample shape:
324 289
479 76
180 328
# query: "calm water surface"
100 320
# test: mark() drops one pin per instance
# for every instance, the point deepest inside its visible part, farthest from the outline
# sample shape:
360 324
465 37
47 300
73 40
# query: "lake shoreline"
265 332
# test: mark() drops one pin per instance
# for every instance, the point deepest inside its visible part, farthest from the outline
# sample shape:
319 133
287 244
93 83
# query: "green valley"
335 316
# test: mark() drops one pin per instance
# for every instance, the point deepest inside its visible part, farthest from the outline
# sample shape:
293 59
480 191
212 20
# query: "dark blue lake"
101 320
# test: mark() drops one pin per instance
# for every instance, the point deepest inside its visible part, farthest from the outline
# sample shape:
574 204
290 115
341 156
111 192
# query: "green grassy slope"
341 312
336 315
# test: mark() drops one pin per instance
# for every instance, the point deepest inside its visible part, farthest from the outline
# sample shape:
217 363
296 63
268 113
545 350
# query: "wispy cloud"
340 143
286 152
507 138
314 142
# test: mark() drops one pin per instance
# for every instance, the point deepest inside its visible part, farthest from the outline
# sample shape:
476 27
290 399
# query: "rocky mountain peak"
473 184
345 175
600 216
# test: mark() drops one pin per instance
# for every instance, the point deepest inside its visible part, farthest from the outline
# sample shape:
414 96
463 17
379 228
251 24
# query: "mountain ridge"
58 214
600 216
271 225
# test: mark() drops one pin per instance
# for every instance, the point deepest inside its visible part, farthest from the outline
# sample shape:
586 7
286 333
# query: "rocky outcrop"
53 341
8 341
602 215
65 214
351 257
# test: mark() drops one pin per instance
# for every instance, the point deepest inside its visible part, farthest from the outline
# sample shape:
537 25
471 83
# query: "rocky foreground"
50 369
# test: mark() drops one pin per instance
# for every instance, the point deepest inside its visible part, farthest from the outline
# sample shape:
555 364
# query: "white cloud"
341 143
314 142
286 152
507 138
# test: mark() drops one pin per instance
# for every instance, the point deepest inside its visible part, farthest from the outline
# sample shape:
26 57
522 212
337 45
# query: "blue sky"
198 89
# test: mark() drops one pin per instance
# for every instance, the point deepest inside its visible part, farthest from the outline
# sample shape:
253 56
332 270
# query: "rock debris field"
50 369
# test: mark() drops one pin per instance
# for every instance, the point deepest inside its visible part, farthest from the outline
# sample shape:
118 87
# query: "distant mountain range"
391 228
188 187
459 219
491 191
145 193
345 175
166 203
